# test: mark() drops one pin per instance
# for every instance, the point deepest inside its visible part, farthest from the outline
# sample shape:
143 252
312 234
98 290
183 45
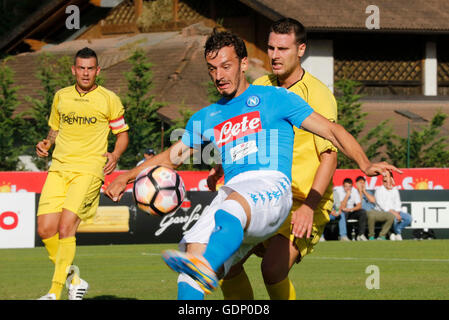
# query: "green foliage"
427 147
212 92
53 74
140 111
174 133
11 126
375 139
350 114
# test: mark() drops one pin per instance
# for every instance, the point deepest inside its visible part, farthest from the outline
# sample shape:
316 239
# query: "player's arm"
302 218
346 143
44 145
344 202
357 207
215 174
121 143
172 157
369 196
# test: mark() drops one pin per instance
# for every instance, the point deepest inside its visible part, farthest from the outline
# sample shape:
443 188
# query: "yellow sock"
52 244
64 259
237 288
283 290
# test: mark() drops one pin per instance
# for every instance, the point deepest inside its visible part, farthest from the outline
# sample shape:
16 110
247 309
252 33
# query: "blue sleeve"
295 108
192 136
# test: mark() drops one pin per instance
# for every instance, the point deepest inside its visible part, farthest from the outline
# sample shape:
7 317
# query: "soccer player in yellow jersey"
81 118
314 163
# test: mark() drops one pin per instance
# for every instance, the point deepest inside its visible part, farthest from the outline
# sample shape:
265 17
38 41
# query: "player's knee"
273 272
66 230
234 271
46 230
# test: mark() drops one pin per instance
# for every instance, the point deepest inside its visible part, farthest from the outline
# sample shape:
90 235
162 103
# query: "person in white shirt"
373 212
388 199
147 154
351 208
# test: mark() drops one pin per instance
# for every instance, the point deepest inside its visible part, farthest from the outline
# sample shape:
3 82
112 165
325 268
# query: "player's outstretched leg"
194 266
189 289
224 241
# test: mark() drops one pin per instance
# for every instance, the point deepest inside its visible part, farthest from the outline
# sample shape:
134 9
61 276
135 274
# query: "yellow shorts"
305 245
74 191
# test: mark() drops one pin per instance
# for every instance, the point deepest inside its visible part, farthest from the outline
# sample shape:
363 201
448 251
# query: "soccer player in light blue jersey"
251 127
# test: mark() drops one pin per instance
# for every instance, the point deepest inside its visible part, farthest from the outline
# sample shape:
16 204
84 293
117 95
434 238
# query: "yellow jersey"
83 122
307 146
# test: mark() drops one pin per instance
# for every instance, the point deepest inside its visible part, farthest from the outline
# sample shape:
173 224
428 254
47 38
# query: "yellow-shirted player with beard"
314 163
81 118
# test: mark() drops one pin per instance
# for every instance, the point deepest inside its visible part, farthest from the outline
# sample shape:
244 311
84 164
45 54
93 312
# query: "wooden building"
403 64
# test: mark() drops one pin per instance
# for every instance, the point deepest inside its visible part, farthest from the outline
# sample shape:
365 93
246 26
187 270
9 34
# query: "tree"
350 114
11 126
427 147
212 93
351 117
199 161
53 74
140 111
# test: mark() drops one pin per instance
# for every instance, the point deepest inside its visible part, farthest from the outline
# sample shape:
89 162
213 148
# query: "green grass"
336 270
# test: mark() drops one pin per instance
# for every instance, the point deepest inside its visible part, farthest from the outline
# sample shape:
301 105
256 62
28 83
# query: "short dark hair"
149 151
360 178
347 180
85 53
289 25
218 40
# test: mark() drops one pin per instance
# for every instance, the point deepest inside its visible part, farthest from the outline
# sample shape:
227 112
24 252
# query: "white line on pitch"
382 259
150 254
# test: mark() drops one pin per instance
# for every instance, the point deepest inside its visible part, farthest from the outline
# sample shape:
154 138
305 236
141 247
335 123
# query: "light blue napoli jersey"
251 132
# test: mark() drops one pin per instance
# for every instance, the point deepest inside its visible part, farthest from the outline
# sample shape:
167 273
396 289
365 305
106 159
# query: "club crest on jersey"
253 101
237 127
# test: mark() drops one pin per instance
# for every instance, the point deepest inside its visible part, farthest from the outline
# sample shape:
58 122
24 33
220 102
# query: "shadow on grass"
109 297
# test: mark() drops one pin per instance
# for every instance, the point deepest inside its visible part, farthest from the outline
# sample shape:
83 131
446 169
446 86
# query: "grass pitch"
336 270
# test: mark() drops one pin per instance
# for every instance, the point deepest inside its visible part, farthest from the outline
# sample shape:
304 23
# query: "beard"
231 95
87 87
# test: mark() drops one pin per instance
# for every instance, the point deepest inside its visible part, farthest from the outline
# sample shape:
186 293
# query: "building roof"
350 15
381 109
179 72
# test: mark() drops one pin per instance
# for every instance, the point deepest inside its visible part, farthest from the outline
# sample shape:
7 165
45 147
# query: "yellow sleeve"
116 117
260 81
53 120
328 109
266 80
